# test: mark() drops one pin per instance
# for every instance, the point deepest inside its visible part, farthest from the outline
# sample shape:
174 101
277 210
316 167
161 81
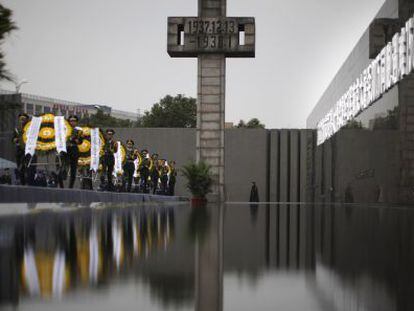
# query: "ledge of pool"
30 194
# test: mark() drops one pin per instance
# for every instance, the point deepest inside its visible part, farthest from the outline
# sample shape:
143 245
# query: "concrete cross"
211 37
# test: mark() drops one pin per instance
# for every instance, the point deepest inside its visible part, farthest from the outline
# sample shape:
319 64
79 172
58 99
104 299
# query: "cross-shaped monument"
211 37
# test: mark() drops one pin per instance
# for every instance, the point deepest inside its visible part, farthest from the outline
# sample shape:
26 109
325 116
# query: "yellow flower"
47 133
86 131
85 146
84 161
48 118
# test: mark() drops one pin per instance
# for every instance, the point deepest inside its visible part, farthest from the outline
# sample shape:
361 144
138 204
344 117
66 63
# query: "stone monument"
211 37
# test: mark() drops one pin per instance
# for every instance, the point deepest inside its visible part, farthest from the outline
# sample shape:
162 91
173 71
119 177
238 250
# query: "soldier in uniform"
172 178
72 156
164 169
131 155
155 172
108 159
144 170
20 148
73 148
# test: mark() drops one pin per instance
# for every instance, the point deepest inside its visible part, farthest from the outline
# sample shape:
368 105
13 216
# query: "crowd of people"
141 171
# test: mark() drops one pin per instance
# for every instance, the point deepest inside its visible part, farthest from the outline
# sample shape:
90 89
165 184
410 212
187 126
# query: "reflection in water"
58 252
285 257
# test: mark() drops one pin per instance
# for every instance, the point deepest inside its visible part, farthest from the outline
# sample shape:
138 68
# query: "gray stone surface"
246 158
245 155
27 194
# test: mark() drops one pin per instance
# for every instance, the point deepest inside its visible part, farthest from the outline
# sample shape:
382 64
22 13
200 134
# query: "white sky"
113 52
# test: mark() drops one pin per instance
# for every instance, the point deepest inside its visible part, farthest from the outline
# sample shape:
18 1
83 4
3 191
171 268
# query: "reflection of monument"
211 37
209 262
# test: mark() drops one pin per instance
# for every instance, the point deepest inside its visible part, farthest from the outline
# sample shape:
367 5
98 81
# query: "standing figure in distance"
254 193
144 170
20 147
164 170
72 146
108 159
172 178
131 155
155 173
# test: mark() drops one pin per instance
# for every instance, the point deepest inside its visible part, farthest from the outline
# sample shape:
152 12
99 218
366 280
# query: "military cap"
22 114
73 117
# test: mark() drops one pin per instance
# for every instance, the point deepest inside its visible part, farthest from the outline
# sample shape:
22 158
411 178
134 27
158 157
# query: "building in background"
371 158
36 105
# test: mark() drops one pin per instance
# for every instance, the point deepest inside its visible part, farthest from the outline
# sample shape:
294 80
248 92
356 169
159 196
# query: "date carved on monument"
190 36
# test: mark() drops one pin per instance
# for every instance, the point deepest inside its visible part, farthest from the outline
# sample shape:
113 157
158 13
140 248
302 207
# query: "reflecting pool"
229 257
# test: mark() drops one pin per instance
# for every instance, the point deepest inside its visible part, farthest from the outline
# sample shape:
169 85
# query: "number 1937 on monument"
231 36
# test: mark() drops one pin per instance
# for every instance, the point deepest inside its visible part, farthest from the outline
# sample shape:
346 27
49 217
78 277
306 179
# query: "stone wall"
279 161
250 155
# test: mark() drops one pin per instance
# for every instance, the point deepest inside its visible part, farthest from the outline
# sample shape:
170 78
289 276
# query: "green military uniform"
108 160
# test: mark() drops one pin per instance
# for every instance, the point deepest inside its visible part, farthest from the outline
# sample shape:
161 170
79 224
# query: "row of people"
141 172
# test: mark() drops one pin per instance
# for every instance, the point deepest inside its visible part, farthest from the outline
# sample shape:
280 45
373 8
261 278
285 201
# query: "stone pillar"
210 117
211 37
210 104
212 8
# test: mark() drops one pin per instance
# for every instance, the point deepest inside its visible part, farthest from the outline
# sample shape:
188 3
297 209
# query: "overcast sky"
113 52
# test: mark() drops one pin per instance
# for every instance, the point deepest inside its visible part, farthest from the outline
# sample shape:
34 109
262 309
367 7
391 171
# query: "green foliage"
178 111
253 123
7 25
353 124
199 180
102 120
389 122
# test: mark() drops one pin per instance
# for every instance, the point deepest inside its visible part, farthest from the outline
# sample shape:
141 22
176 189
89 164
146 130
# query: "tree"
388 122
353 124
178 111
252 124
7 25
102 120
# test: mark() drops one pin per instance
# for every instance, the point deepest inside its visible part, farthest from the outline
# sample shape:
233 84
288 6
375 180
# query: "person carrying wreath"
72 144
108 159
155 172
172 178
164 171
131 154
144 170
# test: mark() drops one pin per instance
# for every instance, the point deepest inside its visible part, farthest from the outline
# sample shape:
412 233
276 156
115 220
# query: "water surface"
230 257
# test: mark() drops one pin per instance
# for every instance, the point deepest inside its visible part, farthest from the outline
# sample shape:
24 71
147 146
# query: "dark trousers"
108 164
171 187
129 169
61 163
144 174
164 183
86 179
73 169
30 171
21 166
154 181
